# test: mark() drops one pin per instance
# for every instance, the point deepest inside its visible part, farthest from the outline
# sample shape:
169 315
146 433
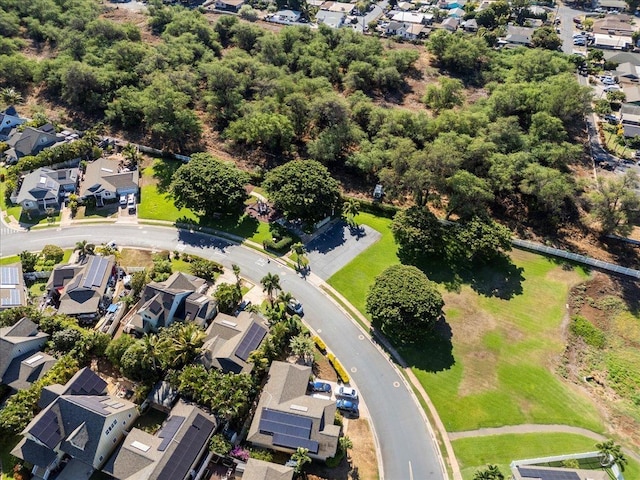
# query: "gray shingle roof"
261 470
26 369
13 341
33 452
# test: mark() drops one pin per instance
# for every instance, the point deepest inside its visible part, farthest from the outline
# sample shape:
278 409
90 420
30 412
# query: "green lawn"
9 260
156 204
498 367
474 453
354 279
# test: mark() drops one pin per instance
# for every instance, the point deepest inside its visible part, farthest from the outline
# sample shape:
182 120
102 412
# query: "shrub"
320 344
53 252
280 246
591 334
240 453
261 454
219 444
337 366
207 269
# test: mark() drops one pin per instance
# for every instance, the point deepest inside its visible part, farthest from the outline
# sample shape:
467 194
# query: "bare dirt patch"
138 18
323 369
480 373
134 257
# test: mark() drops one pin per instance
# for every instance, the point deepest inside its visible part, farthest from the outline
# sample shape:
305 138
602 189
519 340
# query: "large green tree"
403 303
614 203
303 189
209 186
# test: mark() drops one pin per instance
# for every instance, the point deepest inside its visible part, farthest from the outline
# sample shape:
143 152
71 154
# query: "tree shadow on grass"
434 353
163 171
501 278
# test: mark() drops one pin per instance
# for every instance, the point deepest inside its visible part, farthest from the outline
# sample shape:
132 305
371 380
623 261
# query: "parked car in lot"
612 88
347 392
123 201
347 406
294 307
612 119
131 203
320 387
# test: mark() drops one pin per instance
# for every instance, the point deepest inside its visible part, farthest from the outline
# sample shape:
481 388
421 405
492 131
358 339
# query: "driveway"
407 448
336 247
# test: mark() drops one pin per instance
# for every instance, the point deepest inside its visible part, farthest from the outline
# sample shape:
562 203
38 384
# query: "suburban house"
230 341
613 26
162 397
632 94
46 188
17 343
519 35
410 31
81 290
180 297
611 42
628 72
27 369
340 7
617 5
107 179
287 418
13 292
331 19
78 421
450 24
410 17
229 5
456 12
523 472
285 16
630 118
173 453
261 470
31 141
9 119
470 25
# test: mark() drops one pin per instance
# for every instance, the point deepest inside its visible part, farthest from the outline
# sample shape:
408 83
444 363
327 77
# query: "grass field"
494 359
475 453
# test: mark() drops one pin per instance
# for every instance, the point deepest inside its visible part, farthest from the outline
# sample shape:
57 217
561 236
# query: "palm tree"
84 248
130 152
10 96
611 454
300 251
185 345
302 346
284 298
301 457
270 282
350 209
236 272
150 352
492 472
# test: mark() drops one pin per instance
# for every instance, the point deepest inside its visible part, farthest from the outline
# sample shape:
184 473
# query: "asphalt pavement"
407 447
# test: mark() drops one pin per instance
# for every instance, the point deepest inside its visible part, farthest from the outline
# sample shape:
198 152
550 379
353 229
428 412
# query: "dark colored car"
320 387
347 406
294 307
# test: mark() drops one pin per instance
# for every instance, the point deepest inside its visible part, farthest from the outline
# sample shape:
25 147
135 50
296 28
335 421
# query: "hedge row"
320 344
337 366
279 246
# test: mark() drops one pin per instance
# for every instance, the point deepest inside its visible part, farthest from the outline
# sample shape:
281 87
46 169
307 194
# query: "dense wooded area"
317 94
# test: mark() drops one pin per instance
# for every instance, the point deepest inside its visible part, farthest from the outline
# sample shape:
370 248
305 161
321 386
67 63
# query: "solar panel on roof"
547 474
273 427
288 441
47 429
95 272
12 300
9 275
286 418
87 383
186 453
169 431
251 341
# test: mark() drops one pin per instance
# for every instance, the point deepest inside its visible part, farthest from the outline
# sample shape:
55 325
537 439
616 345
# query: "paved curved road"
407 447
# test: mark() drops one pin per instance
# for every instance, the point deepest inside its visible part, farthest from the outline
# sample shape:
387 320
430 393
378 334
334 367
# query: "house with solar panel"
81 290
13 292
77 430
287 418
46 188
230 341
173 453
21 343
552 468
180 297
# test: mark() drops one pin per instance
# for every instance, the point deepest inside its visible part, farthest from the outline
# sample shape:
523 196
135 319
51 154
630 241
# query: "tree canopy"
403 303
209 186
303 189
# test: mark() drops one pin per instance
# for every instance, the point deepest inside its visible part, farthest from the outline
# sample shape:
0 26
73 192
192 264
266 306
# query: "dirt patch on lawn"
322 369
480 373
608 375
134 257
474 322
